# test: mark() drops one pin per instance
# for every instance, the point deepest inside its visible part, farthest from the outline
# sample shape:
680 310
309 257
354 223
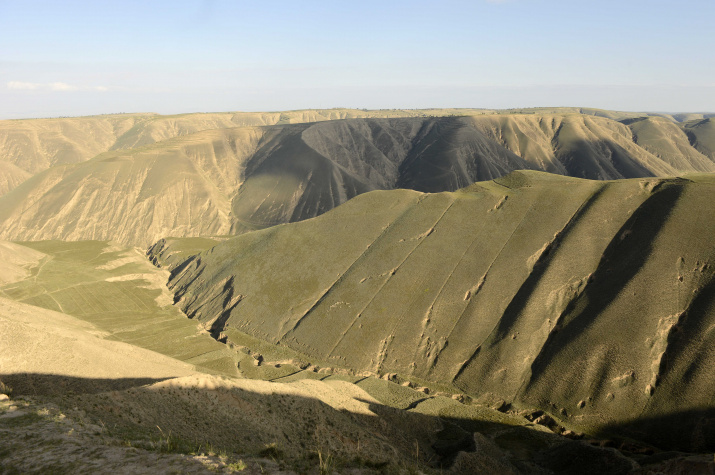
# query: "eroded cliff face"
591 300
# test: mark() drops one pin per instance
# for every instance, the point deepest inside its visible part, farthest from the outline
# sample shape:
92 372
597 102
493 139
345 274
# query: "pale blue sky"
81 57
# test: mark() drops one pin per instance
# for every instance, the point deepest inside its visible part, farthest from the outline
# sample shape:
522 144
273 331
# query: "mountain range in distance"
138 178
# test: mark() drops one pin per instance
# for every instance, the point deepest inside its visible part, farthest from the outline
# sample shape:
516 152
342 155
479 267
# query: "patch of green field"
120 292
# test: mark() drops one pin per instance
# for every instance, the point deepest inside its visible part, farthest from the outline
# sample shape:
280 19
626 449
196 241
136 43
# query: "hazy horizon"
77 58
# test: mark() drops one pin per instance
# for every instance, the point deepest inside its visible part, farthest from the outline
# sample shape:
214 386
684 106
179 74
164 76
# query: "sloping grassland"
590 300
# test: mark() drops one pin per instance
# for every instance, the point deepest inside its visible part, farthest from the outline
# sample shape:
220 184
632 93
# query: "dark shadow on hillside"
692 430
625 255
447 155
599 160
296 429
288 181
37 384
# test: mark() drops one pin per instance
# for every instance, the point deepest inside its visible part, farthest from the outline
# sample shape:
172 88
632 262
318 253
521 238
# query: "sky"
70 58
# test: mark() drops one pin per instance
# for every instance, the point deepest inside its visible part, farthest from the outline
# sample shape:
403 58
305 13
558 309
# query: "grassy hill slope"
591 300
105 374
112 291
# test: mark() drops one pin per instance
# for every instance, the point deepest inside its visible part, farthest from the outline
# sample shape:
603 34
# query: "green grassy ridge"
76 275
550 292
171 252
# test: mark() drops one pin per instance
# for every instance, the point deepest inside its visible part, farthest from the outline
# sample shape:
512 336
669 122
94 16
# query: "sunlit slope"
16 261
89 327
608 114
37 340
592 300
595 147
36 144
175 188
670 143
11 176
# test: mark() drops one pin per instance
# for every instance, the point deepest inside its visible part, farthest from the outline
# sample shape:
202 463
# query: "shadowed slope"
540 290
220 181
288 181
464 155
306 170
34 145
701 134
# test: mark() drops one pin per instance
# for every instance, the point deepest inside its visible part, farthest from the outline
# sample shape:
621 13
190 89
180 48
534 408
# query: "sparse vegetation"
326 463
271 451
5 389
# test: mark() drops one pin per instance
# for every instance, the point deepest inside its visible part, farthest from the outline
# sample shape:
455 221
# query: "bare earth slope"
37 144
159 128
11 176
36 340
670 143
129 197
34 145
595 147
591 300
227 181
